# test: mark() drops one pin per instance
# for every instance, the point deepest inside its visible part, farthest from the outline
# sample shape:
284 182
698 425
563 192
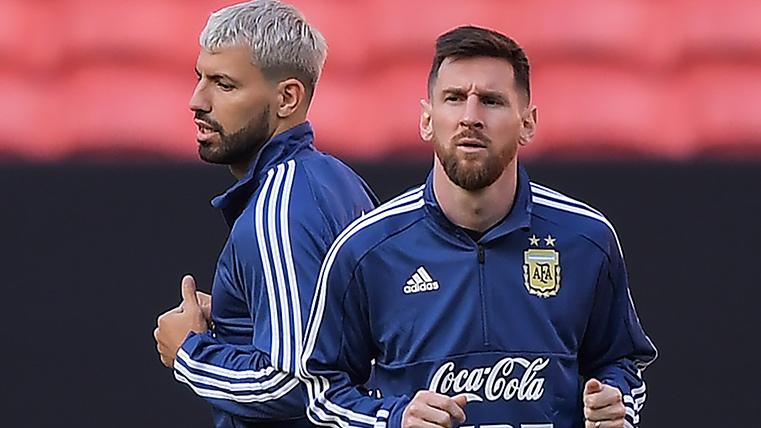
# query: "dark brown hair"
470 41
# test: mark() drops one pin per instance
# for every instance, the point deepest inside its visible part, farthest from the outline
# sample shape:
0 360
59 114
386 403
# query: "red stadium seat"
345 27
371 116
161 33
611 78
403 85
627 32
593 111
123 109
723 102
340 124
14 15
720 29
402 28
621 32
29 36
28 119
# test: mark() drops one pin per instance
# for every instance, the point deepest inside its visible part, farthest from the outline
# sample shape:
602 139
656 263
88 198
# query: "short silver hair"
282 42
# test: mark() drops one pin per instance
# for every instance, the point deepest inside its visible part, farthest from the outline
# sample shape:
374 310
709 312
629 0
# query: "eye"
452 98
225 87
490 101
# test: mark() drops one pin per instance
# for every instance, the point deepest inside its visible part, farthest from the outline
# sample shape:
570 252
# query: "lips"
205 127
471 139
205 131
471 142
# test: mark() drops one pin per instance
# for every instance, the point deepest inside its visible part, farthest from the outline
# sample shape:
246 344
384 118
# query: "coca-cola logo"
510 378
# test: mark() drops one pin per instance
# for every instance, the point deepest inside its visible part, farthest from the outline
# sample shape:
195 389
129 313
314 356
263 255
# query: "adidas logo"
420 282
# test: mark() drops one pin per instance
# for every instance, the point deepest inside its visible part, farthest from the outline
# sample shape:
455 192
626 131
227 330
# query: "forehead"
234 59
482 72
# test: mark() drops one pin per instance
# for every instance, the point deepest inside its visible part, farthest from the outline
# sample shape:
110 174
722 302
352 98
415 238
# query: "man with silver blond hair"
257 69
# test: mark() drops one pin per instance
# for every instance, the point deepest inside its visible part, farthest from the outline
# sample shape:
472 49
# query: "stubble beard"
239 146
475 171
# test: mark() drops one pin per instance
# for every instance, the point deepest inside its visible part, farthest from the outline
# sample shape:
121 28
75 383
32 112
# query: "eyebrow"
482 93
455 91
218 76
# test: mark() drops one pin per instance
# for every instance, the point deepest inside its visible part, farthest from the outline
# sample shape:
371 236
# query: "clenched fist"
603 405
430 410
175 324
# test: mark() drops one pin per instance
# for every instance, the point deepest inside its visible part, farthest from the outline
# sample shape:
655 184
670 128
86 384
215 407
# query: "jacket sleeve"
237 379
276 255
339 349
616 349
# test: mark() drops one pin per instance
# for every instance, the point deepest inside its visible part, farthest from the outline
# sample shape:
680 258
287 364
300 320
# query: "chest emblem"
420 282
541 267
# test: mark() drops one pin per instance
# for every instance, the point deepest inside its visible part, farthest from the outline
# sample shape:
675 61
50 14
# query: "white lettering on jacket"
502 381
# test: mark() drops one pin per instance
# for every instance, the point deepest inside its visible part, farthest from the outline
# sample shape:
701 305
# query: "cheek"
236 114
505 124
444 123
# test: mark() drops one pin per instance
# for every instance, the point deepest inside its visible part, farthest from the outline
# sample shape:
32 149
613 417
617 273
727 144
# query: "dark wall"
91 254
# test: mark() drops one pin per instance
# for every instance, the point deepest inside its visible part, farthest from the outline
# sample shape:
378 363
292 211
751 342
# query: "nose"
471 117
198 101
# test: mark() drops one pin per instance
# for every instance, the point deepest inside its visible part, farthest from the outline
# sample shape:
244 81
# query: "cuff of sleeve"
191 343
633 400
193 339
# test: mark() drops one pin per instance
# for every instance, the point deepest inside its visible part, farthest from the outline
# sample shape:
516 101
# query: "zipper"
482 291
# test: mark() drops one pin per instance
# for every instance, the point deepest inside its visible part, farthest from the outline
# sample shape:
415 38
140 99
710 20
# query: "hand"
175 324
429 410
603 406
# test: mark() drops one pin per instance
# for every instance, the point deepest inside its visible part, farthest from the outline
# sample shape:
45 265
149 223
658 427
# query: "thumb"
593 385
189 298
461 400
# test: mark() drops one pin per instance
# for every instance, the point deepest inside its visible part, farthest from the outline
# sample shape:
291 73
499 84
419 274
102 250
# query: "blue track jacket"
517 320
284 214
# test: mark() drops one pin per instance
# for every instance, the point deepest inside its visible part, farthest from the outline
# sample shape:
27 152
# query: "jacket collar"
519 216
279 149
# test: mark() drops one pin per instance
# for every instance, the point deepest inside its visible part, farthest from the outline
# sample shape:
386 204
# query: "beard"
240 146
473 171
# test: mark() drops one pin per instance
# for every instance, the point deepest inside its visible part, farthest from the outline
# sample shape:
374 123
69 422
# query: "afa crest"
541 271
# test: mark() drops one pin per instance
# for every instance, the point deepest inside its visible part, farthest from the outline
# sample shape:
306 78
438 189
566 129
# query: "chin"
471 164
208 154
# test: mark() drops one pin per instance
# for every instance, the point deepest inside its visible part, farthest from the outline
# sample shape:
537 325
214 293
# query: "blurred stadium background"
648 109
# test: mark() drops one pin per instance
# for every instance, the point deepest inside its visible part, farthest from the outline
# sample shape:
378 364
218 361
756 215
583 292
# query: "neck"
480 209
239 169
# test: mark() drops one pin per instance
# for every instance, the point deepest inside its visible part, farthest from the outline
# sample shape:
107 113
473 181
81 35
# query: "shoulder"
377 226
575 216
328 177
294 188
331 189
313 193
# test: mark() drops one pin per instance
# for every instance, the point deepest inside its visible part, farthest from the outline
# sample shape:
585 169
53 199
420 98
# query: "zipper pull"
481 255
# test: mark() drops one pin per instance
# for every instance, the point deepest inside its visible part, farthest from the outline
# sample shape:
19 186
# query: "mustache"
216 126
471 133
